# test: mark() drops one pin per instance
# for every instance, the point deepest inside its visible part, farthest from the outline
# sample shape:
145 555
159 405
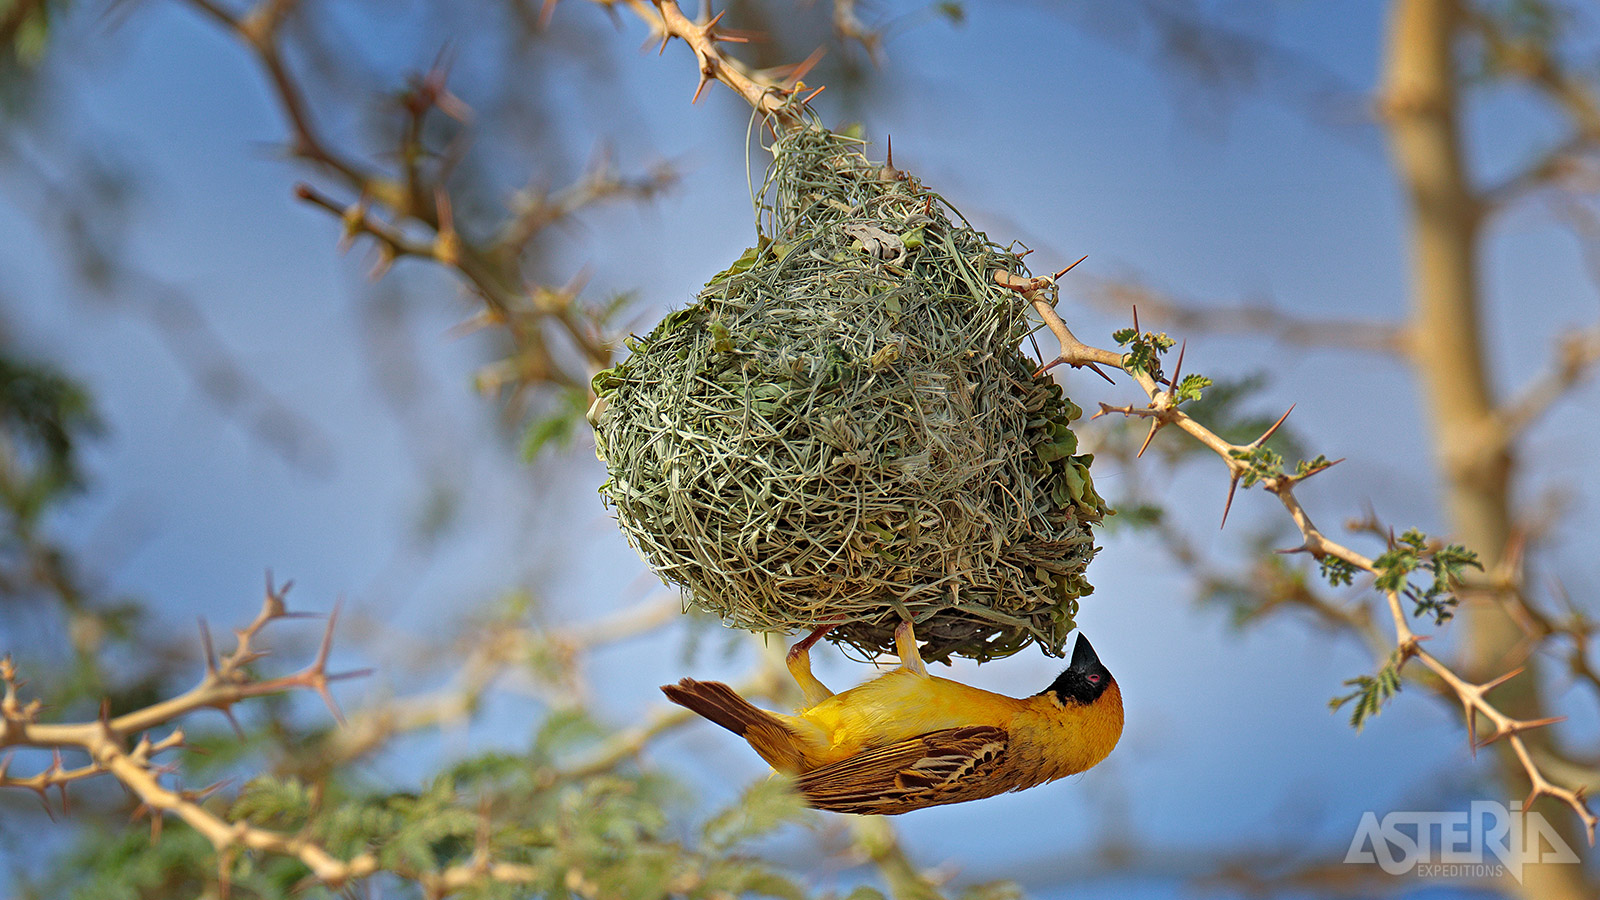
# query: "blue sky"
1040 125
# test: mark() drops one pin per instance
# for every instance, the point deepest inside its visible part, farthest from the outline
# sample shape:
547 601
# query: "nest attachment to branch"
842 428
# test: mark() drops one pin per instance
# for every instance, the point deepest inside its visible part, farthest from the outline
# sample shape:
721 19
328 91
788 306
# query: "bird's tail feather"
719 703
780 745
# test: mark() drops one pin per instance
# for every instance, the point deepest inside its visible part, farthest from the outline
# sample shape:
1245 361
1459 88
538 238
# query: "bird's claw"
905 645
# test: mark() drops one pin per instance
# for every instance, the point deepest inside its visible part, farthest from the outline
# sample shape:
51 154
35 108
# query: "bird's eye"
1094 679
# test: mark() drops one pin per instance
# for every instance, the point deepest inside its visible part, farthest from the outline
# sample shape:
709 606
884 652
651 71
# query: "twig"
225 683
763 95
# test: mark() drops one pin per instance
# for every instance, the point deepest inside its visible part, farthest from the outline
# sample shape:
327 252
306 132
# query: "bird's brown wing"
948 766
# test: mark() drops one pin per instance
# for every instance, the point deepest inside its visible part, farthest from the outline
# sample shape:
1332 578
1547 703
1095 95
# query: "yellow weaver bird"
907 739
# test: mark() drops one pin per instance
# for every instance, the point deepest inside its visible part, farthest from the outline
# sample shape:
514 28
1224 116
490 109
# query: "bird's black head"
1085 678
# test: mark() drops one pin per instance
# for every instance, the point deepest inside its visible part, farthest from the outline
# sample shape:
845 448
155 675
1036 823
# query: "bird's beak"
1083 655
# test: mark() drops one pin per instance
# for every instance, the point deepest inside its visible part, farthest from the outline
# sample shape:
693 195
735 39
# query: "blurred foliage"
608 835
25 30
43 418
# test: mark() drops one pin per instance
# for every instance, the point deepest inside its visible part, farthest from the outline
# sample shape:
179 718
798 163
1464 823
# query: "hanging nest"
842 428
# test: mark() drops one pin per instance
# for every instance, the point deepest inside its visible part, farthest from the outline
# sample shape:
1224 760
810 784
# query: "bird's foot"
905 645
799 665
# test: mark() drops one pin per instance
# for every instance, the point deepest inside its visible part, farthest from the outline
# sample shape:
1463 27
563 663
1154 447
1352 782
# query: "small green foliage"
273 803
1337 571
1411 552
1261 464
1144 350
1264 464
1371 692
1308 467
1189 387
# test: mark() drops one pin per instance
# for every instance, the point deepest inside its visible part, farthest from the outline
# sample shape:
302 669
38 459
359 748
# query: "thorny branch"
227 681
1163 410
409 212
761 90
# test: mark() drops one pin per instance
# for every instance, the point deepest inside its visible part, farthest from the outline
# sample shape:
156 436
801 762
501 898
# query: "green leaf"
741 265
1337 571
1262 464
1189 388
1371 692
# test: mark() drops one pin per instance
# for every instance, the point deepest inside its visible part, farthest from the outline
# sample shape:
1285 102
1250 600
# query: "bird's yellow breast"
900 705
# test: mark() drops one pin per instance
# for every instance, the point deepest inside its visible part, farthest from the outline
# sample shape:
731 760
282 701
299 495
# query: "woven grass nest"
842 427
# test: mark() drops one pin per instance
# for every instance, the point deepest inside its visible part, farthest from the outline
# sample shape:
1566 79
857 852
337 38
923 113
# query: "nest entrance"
842 428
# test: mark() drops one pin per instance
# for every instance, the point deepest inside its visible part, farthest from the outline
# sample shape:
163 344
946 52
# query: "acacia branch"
1561 164
763 94
226 682
259 27
417 219
1531 60
227 837
1163 410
